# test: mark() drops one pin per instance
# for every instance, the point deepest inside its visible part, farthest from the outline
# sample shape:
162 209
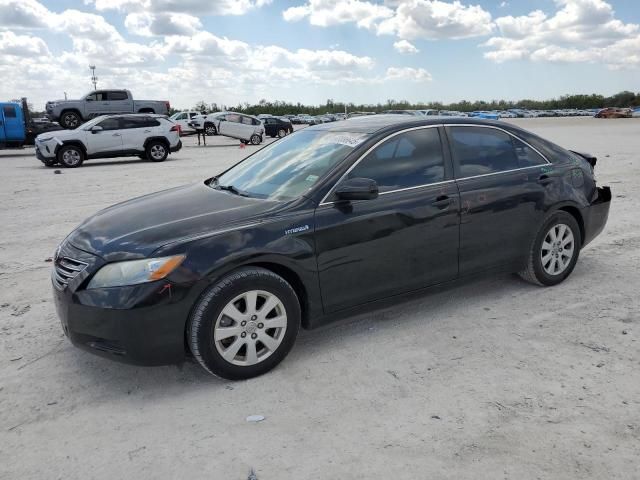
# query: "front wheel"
282 133
244 325
555 250
70 156
210 130
255 139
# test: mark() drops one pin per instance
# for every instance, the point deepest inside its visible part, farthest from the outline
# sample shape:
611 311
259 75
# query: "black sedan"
313 227
277 127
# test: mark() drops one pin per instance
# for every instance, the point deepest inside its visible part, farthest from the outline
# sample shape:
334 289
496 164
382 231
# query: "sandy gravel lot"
497 379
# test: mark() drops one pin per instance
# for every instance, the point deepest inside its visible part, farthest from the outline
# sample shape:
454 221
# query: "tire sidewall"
255 139
163 145
556 218
205 315
66 148
210 130
64 120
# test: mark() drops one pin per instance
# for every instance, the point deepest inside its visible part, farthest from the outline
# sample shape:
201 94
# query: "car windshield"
288 168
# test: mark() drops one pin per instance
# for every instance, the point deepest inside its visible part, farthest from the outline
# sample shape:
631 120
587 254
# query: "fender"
161 139
77 143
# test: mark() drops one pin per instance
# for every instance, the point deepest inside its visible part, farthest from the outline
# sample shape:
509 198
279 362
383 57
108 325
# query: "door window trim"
456 163
377 144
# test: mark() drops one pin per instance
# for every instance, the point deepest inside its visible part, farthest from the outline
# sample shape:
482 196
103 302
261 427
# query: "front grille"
65 269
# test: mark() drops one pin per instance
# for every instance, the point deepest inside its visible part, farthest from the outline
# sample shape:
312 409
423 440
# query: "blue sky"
231 51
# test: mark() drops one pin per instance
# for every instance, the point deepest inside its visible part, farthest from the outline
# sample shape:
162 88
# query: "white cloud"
435 19
580 31
161 24
404 46
408 73
21 45
202 7
325 13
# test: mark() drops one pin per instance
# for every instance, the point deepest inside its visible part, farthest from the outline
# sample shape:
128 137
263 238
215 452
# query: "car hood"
138 227
60 135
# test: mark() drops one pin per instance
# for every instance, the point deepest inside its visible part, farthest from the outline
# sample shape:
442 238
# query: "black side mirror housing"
357 189
96 129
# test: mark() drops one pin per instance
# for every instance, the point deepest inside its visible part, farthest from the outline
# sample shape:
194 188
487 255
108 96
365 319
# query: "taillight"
175 128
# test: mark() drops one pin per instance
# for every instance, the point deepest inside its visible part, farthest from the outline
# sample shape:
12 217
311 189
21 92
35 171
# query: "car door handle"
443 201
147 131
116 135
544 179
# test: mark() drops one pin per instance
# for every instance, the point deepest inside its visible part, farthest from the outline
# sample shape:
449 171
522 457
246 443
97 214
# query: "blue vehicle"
12 124
484 114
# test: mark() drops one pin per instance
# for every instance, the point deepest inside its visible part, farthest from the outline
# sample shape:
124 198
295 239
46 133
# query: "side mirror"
357 189
96 129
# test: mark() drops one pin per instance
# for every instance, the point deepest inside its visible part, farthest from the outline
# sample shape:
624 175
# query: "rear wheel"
244 325
70 120
157 151
70 156
255 139
555 250
282 133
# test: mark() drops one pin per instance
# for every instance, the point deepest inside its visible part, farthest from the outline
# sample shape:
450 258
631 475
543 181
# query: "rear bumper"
596 215
177 147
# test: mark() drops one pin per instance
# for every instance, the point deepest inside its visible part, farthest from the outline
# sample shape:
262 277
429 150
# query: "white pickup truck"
72 113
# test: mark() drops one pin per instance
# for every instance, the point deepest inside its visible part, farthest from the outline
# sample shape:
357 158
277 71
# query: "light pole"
94 79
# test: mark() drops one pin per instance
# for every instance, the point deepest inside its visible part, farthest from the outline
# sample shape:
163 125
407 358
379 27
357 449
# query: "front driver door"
405 239
108 140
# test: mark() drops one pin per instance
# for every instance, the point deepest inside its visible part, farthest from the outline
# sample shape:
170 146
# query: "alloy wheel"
250 328
557 249
71 157
157 152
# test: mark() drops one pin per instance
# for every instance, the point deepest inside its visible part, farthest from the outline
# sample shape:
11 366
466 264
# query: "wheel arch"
160 139
66 143
575 213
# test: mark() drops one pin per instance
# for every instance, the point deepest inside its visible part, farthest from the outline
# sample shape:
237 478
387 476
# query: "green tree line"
278 107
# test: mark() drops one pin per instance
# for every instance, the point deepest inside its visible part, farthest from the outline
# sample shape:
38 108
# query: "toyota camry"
315 226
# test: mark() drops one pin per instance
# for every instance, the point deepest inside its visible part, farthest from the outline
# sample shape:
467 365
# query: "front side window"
290 167
110 124
97 96
407 160
182 116
479 151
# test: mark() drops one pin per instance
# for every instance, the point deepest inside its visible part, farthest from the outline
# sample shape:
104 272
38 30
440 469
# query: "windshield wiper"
232 189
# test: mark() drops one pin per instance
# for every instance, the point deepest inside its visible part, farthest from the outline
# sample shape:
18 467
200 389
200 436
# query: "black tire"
255 139
70 120
282 133
49 163
535 270
244 141
202 322
210 129
70 156
157 151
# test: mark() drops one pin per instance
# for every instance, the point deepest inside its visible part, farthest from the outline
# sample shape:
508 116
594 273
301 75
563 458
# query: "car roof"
376 123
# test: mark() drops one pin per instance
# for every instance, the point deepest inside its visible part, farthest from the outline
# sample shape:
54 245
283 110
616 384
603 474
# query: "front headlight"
134 272
44 139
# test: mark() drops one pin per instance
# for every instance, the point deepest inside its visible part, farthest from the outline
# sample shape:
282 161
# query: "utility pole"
94 79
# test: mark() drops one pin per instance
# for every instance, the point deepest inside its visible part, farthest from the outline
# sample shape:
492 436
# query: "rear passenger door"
405 239
502 192
135 130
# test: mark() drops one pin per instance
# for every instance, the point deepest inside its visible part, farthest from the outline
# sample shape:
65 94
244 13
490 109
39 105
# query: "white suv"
148 136
245 128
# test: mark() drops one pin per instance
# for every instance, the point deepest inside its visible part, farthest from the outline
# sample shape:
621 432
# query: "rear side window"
117 96
139 122
232 117
479 151
255 121
407 160
527 156
246 120
9 111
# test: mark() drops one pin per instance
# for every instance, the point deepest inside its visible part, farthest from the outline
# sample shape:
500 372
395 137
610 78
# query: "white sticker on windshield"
349 139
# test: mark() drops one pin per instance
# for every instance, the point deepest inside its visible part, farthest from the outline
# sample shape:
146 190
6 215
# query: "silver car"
245 128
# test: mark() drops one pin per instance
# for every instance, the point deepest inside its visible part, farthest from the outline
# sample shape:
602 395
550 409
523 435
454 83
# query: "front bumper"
44 152
596 215
140 324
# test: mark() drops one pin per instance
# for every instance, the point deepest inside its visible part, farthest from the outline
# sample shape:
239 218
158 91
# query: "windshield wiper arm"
232 189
